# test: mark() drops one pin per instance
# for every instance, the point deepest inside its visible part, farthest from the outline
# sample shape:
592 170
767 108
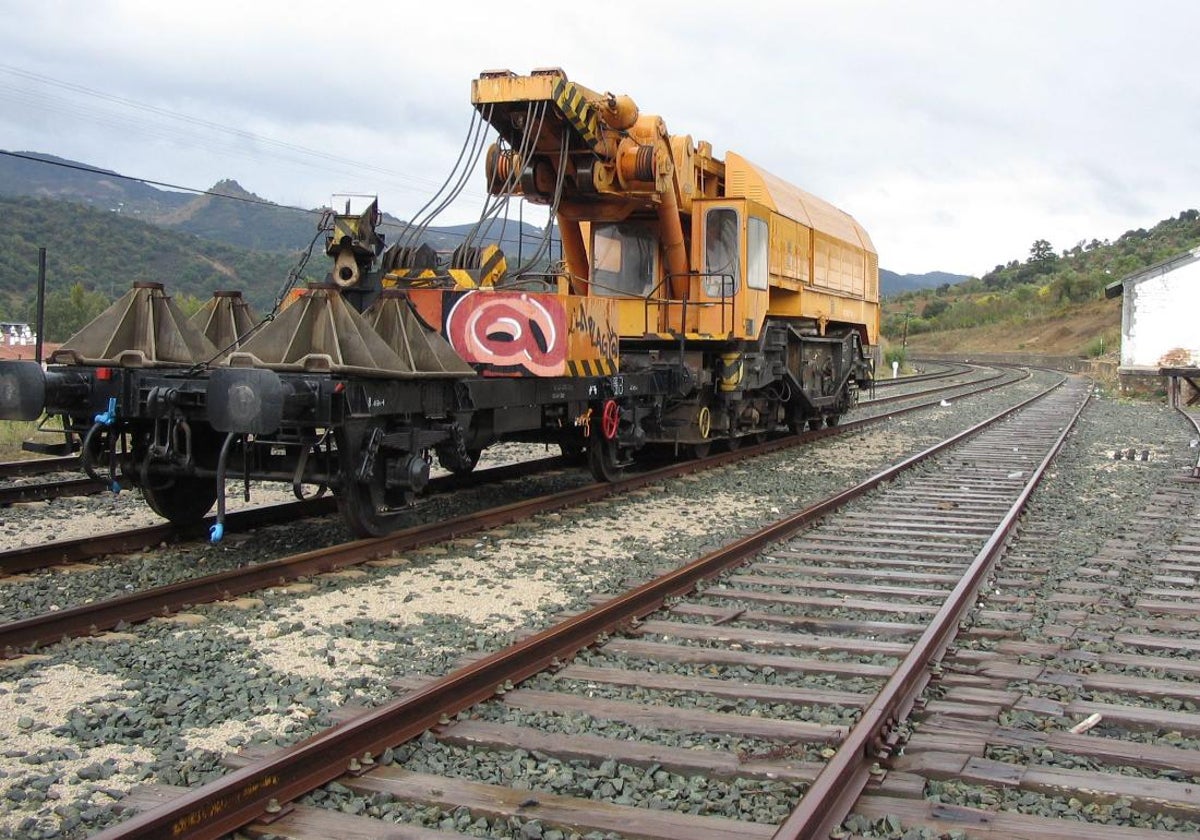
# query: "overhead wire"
165 131
108 173
471 148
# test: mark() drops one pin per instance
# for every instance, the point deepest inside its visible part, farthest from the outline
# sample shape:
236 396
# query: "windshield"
623 260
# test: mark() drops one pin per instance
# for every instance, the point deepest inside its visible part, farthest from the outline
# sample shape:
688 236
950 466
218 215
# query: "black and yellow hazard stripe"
585 367
345 227
578 111
492 266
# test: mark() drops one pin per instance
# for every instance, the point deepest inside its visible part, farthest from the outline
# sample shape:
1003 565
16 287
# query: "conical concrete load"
143 329
225 320
321 333
423 349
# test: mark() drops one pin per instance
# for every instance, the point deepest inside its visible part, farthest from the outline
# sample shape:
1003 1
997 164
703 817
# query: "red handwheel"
610 419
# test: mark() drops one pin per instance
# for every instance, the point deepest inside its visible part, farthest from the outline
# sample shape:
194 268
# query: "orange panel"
510 333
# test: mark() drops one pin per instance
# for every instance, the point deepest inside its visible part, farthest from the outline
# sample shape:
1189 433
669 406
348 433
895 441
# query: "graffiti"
515 333
602 336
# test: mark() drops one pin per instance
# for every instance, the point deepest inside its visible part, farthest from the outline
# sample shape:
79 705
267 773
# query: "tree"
67 312
1041 251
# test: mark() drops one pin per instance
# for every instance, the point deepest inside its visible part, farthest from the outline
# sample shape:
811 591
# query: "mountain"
107 252
228 213
892 284
1053 301
244 220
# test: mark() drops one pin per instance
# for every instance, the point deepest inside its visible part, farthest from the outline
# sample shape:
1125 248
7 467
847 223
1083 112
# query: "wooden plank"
1137 716
973 694
565 812
674 719
693 654
595 750
838 586
876 554
975 711
305 822
1180 799
1166 607
809 570
866 544
799 601
1172 643
735 689
974 822
770 638
896 783
866 629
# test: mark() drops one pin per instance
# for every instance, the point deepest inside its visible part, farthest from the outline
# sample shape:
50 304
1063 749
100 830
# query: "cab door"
733 272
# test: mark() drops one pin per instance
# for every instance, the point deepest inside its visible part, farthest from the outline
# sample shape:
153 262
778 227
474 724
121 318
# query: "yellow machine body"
646 217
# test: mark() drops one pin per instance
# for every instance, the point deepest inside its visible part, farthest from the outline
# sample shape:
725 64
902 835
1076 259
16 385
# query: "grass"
14 432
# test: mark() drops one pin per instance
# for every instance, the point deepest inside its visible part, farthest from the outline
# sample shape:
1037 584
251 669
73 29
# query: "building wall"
1160 319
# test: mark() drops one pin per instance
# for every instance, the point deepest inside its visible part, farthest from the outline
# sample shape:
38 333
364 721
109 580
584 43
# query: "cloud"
956 133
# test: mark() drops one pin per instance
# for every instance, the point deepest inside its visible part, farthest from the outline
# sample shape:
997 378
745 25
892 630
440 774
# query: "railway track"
38 466
64 488
44 490
785 607
85 619
83 549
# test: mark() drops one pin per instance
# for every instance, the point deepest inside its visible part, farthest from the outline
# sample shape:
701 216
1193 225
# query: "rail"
244 795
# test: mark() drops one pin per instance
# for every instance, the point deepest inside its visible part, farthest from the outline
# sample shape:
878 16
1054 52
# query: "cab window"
623 257
756 253
721 258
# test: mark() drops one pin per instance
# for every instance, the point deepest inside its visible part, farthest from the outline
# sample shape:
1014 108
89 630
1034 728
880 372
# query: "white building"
1160 315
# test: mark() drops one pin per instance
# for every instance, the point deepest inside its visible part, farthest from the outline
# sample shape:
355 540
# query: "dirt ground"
1070 335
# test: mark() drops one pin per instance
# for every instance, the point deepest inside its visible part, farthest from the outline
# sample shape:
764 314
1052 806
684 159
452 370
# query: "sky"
956 133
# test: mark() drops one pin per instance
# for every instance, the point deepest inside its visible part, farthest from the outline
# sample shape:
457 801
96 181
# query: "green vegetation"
93 257
1045 284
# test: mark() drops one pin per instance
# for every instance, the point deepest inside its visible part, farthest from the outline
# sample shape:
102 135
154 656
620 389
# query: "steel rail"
937 389
235 800
1195 421
831 796
38 466
92 618
77 550
50 490
954 369
74 551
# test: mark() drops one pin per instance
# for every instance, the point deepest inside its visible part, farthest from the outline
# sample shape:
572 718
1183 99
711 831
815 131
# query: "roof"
744 178
1117 287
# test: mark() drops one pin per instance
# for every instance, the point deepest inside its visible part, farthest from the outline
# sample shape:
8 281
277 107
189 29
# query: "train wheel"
182 500
459 463
733 443
602 459
362 504
832 419
572 450
699 450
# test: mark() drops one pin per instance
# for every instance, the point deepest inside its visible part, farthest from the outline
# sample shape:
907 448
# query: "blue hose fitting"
109 417
215 532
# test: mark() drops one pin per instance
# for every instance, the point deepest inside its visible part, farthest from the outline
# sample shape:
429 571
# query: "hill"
1052 302
247 221
229 213
106 252
892 284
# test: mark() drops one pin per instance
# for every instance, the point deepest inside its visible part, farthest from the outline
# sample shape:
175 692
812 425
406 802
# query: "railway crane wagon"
697 301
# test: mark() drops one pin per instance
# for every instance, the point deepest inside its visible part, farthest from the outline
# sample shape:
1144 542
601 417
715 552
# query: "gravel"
164 700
